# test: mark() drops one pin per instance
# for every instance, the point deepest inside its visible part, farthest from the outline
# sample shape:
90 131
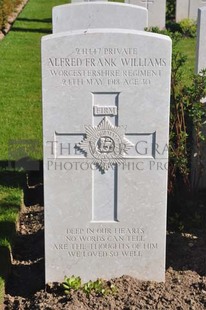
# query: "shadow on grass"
45 20
186 225
9 207
23 279
9 177
30 181
5 259
34 30
7 236
7 230
40 30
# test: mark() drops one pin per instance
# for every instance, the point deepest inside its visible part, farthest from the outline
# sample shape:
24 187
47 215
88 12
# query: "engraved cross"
106 135
148 2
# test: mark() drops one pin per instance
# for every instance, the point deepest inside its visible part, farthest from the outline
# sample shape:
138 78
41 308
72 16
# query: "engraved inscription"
105 110
105 242
106 67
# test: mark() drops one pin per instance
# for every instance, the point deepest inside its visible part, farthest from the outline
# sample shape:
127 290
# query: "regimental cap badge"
105 144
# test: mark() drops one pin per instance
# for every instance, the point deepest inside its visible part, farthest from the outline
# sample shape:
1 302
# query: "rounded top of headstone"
203 8
90 15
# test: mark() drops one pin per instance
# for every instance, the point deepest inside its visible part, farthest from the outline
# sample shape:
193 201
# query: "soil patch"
184 288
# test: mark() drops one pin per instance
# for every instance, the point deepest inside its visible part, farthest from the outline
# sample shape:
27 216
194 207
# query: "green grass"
1 291
11 184
10 203
187 46
20 106
20 76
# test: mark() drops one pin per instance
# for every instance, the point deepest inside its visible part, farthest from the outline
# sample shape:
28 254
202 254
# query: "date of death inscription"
105 242
106 67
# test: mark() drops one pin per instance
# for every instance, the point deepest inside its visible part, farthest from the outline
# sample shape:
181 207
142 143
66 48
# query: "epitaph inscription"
107 242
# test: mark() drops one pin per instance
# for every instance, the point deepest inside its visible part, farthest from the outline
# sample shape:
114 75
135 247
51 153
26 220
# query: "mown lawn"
20 109
187 46
20 76
10 203
1 290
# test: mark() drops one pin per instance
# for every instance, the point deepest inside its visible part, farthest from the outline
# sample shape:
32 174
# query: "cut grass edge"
11 203
5 267
2 292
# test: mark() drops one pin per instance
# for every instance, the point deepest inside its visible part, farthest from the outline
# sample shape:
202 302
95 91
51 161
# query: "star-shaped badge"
105 144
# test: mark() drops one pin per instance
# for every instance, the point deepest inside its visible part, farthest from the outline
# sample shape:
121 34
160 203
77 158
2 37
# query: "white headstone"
188 9
98 15
199 173
156 11
201 40
182 10
107 92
